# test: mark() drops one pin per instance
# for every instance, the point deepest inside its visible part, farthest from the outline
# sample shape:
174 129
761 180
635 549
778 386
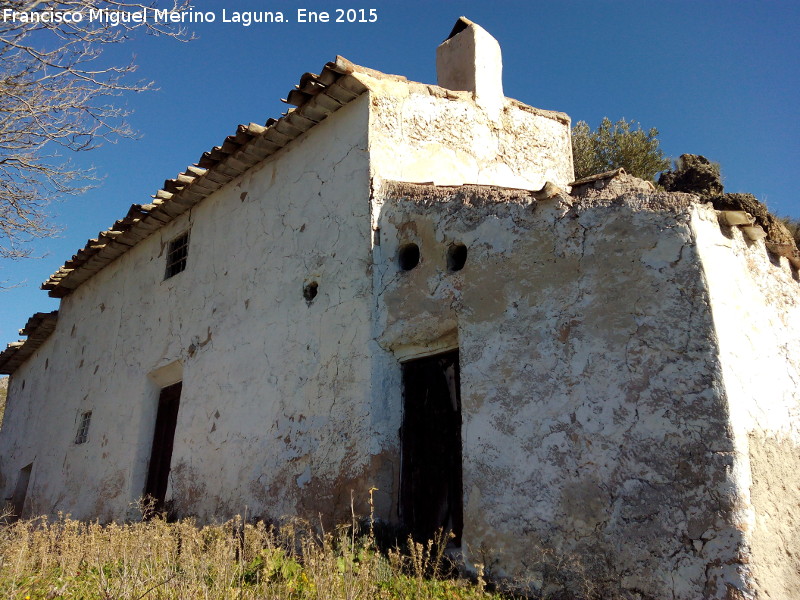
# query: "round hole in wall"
310 291
456 257
408 256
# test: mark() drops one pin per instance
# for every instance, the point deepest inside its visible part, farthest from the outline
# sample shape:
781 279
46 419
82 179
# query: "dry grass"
153 559
3 393
793 225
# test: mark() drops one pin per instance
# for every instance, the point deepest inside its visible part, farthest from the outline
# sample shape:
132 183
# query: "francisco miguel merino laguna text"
154 15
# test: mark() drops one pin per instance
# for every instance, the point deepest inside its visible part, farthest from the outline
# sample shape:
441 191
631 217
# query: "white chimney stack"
470 59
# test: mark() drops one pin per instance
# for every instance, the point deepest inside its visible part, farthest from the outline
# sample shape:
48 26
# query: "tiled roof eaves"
38 328
314 98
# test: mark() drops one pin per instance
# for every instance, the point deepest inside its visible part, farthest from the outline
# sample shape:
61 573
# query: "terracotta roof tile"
37 329
315 97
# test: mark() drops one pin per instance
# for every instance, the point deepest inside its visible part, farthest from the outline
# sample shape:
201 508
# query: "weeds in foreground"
42 559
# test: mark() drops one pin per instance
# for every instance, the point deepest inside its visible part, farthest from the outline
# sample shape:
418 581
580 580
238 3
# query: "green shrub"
615 145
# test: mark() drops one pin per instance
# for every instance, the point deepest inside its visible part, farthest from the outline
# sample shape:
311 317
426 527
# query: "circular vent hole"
408 256
456 257
310 291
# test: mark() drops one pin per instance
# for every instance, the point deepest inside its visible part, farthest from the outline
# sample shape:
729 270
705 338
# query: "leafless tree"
57 97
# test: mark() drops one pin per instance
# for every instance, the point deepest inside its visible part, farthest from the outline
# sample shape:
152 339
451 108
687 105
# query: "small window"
176 256
83 429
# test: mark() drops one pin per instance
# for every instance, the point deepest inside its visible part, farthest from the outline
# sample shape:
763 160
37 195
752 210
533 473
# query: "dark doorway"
163 439
21 491
430 481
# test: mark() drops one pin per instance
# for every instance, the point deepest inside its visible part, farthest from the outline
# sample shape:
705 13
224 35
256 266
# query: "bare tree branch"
55 97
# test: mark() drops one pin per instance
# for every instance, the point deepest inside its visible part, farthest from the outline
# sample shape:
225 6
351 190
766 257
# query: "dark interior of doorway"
431 497
20 492
163 439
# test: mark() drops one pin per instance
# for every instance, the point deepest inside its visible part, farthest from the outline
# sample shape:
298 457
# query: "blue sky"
720 79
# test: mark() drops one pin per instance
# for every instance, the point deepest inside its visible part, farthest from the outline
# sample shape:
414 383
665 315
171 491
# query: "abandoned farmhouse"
401 286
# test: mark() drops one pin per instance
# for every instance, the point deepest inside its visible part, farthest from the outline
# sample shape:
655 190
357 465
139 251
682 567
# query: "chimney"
470 59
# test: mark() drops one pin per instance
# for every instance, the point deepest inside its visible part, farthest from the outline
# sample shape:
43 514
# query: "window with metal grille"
83 428
176 256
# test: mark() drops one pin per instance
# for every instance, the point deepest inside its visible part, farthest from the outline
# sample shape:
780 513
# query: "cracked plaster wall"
596 416
275 413
609 424
755 304
263 420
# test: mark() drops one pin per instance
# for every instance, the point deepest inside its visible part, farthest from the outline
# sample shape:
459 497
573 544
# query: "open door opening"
431 497
20 491
163 439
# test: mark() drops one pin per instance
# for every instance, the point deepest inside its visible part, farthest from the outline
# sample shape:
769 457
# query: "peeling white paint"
629 368
756 310
597 404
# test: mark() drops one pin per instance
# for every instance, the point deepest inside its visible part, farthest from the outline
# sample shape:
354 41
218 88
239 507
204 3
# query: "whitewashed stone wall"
283 410
756 308
425 134
628 367
600 433
275 412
